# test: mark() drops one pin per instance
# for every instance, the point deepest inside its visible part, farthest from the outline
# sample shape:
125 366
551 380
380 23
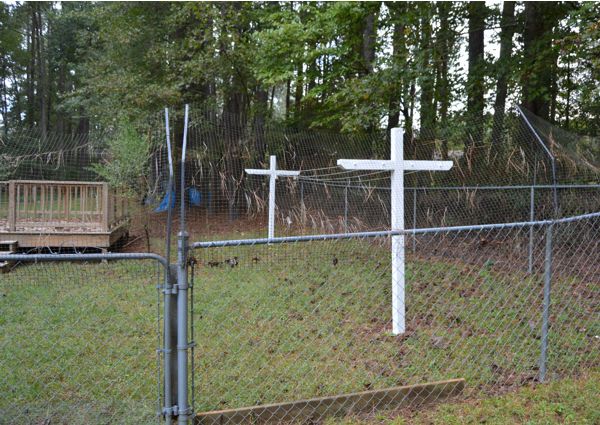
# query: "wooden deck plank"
66 239
71 218
304 411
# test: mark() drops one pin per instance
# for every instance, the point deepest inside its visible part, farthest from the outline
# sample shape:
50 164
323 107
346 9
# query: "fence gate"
80 339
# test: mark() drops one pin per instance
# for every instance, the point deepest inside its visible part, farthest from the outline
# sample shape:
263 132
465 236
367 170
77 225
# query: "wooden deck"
61 214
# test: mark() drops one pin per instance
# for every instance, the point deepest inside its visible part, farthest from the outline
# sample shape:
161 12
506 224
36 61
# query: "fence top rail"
39 258
54 182
385 233
312 180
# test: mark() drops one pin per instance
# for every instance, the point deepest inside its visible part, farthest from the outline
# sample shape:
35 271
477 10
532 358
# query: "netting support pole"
531 218
170 301
414 238
346 206
302 206
183 408
552 162
546 311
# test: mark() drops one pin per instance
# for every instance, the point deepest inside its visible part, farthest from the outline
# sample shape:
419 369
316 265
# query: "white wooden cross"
396 165
273 174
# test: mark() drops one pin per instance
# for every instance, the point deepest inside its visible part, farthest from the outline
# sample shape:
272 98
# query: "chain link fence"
296 319
499 259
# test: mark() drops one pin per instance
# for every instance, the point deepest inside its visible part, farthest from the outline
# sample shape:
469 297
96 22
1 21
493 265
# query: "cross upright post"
273 174
397 165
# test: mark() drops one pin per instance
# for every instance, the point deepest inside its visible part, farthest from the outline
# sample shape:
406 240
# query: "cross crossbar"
388 165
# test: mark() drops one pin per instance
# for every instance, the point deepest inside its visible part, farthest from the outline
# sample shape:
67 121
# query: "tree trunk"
61 88
234 119
569 89
259 126
31 68
475 79
445 39
288 87
299 89
426 147
42 77
369 36
5 119
538 63
507 24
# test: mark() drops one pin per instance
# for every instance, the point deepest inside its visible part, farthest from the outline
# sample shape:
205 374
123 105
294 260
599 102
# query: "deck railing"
29 204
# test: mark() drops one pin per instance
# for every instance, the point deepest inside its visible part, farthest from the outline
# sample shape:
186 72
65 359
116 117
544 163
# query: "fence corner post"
546 309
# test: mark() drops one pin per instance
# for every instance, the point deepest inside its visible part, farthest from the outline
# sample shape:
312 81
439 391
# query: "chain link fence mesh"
78 343
281 322
490 181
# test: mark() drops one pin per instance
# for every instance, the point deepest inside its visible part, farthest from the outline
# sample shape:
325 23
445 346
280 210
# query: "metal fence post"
531 218
170 342
546 311
183 408
170 301
414 238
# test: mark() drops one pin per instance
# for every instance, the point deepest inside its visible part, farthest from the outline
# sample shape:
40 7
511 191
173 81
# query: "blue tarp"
194 198
165 202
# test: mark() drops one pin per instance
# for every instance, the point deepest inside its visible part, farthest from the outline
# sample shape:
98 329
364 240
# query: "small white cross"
273 174
396 165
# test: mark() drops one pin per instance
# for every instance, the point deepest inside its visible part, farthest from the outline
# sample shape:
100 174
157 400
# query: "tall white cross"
397 165
273 174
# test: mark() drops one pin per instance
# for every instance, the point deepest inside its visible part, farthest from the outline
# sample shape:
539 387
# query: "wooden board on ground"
314 409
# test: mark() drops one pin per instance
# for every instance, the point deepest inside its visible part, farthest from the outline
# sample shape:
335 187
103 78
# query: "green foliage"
342 66
126 167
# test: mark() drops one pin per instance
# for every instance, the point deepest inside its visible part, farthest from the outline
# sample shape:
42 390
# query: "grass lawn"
78 341
314 319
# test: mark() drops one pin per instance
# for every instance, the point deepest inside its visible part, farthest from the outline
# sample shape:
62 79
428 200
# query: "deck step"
7 247
5 266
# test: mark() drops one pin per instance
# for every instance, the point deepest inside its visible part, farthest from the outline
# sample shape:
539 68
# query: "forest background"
344 67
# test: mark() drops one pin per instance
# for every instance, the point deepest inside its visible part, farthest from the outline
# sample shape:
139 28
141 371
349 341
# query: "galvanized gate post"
170 342
531 218
183 407
170 303
546 310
